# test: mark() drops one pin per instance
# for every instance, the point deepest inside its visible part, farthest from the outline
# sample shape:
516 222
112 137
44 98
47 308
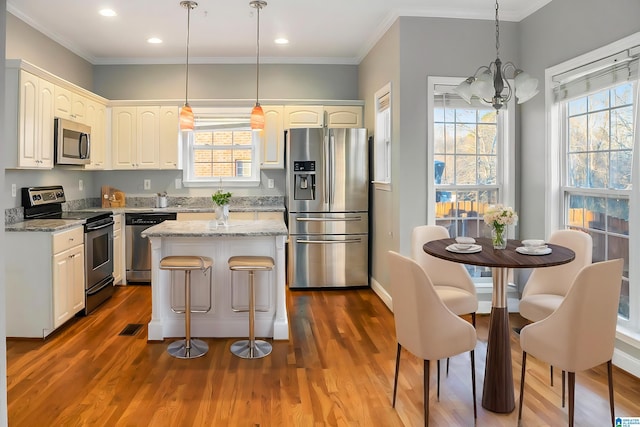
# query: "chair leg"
563 388
395 379
473 382
524 369
551 375
426 393
473 319
572 388
438 381
447 366
610 374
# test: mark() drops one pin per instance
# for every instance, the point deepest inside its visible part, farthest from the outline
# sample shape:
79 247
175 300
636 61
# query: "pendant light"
492 81
186 113
257 115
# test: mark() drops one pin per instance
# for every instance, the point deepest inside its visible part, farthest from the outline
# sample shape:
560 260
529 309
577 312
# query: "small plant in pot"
221 201
221 198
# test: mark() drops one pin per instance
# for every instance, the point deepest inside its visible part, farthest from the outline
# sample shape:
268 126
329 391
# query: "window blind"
445 97
597 75
384 102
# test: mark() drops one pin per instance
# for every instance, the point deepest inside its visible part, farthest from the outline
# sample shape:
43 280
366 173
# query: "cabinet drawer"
68 239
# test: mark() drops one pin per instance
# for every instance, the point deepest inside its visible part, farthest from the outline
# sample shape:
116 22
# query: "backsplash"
242 203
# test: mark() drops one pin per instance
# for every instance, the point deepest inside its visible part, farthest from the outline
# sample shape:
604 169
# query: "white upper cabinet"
303 116
141 135
345 116
35 122
169 131
96 118
70 105
272 138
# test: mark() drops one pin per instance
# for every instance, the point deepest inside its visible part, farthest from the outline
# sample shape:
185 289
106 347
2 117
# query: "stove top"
46 203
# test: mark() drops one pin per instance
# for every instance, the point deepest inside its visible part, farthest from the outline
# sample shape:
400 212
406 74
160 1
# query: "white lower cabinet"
44 280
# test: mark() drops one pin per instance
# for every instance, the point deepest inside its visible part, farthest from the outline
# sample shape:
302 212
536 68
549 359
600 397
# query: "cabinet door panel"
273 138
62 271
123 137
148 137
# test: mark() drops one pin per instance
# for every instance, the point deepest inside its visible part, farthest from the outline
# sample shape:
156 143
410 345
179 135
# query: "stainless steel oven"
98 249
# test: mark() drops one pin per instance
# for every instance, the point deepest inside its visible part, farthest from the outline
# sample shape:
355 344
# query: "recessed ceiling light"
108 12
281 41
154 40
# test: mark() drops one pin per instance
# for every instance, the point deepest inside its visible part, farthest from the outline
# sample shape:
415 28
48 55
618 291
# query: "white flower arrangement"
497 216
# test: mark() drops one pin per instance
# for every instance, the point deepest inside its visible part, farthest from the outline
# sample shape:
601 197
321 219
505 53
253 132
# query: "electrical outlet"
147 184
270 183
13 190
80 185
178 183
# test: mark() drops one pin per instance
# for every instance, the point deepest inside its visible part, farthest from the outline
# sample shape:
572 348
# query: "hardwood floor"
336 370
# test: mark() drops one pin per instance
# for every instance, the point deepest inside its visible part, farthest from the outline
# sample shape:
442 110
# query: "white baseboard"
626 362
382 293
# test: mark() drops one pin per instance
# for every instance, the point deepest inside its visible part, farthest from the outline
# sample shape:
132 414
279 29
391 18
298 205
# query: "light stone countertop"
200 228
46 225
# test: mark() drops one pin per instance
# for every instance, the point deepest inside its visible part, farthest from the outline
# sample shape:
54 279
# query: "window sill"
382 185
225 184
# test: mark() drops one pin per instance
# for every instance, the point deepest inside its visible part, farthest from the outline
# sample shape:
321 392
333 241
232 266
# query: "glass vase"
222 214
499 237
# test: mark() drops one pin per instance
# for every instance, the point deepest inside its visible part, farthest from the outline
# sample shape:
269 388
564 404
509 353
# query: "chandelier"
186 113
490 83
257 115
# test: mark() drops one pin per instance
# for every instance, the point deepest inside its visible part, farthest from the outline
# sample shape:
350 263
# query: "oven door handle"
99 227
107 282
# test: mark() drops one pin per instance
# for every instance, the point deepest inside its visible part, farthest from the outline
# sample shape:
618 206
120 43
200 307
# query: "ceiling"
224 31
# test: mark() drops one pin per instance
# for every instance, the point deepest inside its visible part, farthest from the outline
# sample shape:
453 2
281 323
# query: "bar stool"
251 348
188 348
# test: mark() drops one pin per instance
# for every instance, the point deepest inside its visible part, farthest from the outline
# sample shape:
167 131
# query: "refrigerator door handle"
351 218
327 170
332 178
329 242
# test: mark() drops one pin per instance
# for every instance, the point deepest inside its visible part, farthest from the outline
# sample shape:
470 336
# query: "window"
594 126
221 149
382 138
470 154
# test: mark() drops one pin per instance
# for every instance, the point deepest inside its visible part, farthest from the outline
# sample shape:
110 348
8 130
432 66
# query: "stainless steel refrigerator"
327 203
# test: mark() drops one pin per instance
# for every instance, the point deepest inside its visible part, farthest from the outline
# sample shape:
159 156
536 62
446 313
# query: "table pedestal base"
497 395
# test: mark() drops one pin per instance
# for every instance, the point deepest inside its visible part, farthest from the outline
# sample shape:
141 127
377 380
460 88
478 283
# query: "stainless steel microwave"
72 142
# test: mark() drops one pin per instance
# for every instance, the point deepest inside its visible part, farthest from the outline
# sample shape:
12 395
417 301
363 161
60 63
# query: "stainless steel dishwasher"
137 251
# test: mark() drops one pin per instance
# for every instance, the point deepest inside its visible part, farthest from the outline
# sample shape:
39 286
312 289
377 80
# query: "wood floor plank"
336 370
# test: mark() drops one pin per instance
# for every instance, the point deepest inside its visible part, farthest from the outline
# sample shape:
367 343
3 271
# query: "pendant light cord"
258 7
189 6
497 33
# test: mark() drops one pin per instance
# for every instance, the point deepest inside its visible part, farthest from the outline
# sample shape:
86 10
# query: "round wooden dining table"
498 394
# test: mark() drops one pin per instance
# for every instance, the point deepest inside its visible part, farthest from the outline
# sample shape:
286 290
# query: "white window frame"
628 331
187 142
505 181
382 140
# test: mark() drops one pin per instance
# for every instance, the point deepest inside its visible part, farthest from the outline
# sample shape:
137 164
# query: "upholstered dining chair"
546 287
580 333
451 280
424 325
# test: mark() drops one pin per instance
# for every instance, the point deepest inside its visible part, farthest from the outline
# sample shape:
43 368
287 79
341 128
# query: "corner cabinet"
138 133
48 290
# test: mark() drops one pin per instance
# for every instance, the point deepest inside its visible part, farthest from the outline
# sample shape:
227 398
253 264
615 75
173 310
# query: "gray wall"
561 30
24 42
427 47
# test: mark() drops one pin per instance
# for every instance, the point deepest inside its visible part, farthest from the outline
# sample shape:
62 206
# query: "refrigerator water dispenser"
304 180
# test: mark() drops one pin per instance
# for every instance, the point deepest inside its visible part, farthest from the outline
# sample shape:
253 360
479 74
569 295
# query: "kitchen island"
227 316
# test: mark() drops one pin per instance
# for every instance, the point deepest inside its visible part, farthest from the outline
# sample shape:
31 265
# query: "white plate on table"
533 251
466 249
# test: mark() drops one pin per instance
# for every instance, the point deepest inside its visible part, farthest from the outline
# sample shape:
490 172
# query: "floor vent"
131 329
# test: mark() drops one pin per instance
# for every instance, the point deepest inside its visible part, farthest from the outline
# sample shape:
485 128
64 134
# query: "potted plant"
221 201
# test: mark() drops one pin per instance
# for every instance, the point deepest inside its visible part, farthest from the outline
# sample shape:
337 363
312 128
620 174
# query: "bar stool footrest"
242 349
179 349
